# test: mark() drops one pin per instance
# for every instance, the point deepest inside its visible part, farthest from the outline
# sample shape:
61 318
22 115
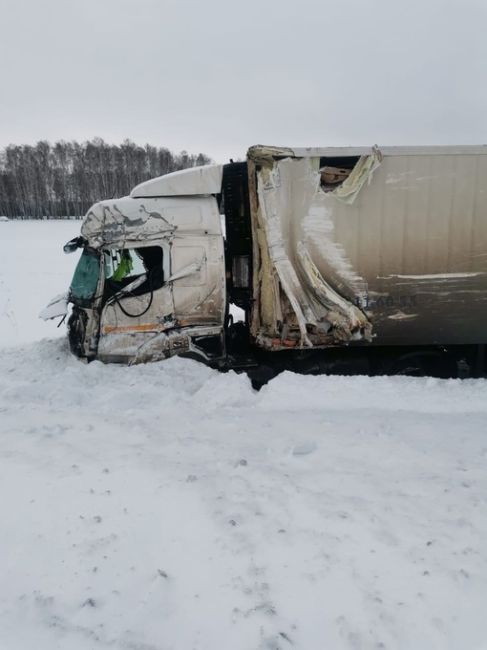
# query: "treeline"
66 178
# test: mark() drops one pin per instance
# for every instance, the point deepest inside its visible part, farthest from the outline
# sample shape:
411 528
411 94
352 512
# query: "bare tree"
65 179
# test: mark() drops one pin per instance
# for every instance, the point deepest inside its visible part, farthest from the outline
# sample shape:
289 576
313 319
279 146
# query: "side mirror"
73 244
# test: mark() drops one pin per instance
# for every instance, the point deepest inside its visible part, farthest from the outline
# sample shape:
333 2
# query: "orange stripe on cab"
148 327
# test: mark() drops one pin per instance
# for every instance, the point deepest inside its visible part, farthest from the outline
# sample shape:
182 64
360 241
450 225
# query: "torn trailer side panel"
394 254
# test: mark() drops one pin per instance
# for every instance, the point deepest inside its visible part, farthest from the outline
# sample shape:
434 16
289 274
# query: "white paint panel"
206 179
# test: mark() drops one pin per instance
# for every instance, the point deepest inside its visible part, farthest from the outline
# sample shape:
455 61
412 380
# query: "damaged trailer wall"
396 254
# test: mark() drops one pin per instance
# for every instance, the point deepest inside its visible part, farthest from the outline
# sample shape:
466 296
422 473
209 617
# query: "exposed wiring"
133 296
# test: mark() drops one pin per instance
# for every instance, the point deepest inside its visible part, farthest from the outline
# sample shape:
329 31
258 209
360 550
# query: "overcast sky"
217 75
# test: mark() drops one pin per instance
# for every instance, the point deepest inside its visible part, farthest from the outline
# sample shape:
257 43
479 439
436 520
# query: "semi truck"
349 260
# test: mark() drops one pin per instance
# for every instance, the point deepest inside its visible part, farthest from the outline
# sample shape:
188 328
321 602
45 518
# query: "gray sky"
217 76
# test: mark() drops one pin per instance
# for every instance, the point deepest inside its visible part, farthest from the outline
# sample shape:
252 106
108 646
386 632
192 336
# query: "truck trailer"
356 259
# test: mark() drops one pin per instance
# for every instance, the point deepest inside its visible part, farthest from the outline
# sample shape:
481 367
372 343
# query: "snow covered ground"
170 507
33 269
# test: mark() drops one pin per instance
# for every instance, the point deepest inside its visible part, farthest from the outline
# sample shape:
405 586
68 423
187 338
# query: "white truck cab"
151 278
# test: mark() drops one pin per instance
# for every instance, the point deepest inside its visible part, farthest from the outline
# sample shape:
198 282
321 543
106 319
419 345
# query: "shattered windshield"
85 278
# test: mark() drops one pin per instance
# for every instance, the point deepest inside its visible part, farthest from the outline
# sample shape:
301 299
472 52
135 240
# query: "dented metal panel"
117 221
399 257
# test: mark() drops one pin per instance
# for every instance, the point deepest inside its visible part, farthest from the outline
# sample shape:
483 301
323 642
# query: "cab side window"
126 266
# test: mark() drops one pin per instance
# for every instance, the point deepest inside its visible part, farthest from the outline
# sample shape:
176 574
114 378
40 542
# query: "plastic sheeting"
360 174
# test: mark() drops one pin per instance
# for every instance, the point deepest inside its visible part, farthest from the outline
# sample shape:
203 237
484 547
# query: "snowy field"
168 507
33 269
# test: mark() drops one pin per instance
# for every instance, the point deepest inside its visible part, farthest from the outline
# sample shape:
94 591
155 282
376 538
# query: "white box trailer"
363 255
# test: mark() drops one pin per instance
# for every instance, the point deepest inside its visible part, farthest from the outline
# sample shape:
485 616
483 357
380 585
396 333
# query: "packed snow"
168 506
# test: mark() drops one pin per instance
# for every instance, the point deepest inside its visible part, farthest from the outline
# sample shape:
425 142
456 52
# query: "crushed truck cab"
357 253
150 282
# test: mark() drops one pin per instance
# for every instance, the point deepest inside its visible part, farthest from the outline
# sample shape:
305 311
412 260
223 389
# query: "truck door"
137 301
197 278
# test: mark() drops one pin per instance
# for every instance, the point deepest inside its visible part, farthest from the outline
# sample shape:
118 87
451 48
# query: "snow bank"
297 392
169 506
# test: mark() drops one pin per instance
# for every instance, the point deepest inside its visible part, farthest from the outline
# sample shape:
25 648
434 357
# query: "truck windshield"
86 275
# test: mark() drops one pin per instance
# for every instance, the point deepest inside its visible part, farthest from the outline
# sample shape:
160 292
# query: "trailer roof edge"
263 151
